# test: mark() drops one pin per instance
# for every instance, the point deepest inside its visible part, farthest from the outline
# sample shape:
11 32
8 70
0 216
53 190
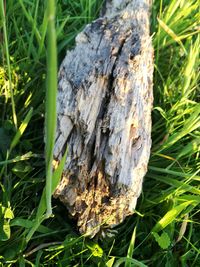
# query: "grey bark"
104 116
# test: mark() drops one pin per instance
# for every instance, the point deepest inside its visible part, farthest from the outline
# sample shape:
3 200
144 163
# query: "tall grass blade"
3 18
51 96
131 248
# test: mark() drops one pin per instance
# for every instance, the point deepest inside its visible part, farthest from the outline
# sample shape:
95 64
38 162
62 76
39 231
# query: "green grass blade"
26 156
55 181
191 124
133 262
21 129
131 248
180 185
171 33
31 21
43 204
175 173
43 30
34 28
110 262
25 223
170 216
3 18
51 96
192 65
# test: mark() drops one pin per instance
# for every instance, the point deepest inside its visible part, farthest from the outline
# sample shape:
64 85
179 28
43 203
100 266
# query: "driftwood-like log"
104 116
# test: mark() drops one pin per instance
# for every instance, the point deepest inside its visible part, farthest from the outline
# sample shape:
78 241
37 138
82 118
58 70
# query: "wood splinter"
104 116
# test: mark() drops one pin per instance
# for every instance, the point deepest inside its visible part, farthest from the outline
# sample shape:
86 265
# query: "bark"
104 116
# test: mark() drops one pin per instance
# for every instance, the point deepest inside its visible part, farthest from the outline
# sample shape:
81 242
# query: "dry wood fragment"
104 116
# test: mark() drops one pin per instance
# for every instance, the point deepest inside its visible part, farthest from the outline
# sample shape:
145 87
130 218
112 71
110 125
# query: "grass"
51 95
165 230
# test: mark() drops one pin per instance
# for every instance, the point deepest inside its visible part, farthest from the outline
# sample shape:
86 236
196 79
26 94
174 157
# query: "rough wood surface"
104 116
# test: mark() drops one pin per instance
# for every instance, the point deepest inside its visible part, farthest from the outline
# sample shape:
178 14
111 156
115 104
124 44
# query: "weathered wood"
104 116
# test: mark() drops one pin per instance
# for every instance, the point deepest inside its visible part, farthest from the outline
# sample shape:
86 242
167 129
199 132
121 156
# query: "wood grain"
104 116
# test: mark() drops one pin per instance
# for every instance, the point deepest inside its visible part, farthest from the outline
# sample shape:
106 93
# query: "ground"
165 229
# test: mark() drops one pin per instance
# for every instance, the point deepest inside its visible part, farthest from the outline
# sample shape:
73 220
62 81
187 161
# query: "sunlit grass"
5 46
165 230
51 95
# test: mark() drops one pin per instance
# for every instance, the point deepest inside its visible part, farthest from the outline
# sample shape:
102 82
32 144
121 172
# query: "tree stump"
104 116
